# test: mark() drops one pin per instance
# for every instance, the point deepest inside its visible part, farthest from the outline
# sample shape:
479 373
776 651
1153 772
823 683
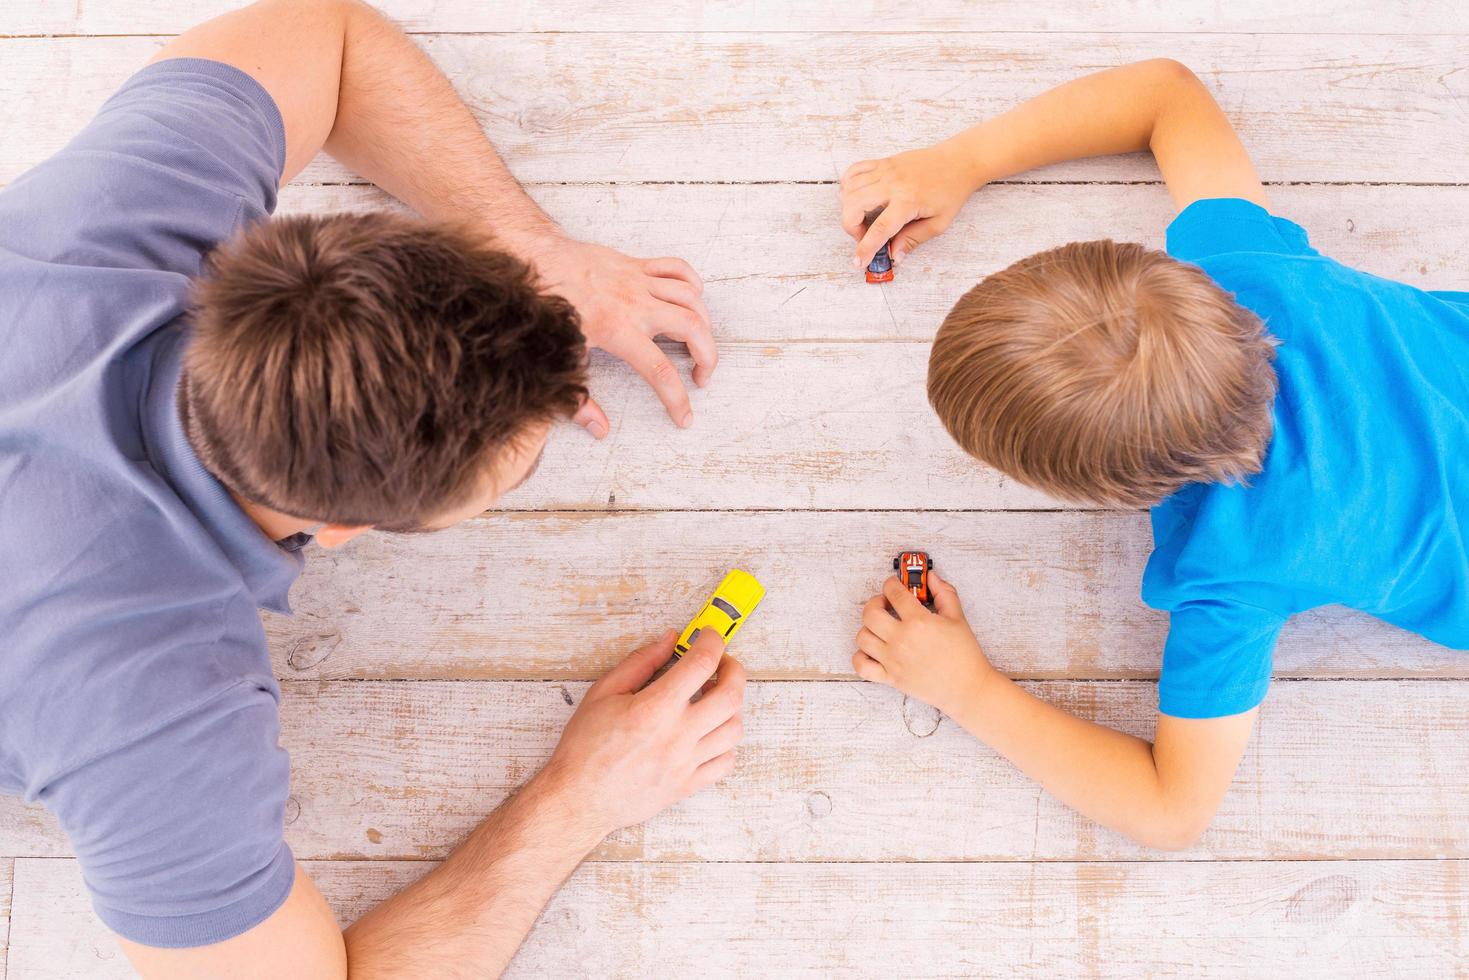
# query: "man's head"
374 370
1106 373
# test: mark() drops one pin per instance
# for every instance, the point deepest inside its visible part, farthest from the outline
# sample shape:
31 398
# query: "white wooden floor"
861 835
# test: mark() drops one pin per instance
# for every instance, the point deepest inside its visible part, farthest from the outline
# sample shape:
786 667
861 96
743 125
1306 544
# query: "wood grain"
783 107
564 596
7 879
1319 919
878 17
773 257
836 771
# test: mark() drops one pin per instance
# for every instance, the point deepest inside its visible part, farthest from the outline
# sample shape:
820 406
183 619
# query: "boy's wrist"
970 159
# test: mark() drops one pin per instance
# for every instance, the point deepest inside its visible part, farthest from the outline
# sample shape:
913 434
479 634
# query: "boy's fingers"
875 617
858 168
945 597
888 224
870 643
869 669
914 233
637 666
693 670
904 603
591 417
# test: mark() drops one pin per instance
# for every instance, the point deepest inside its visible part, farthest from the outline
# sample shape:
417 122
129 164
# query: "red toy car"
880 269
913 568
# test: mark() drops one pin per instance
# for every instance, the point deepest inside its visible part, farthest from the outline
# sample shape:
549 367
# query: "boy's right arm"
1156 105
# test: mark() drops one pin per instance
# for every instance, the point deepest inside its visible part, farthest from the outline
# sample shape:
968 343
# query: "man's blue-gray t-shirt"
1357 502
137 699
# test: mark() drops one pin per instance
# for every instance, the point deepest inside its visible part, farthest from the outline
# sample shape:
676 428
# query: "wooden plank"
710 107
564 596
7 882
1303 919
871 16
774 259
797 426
834 771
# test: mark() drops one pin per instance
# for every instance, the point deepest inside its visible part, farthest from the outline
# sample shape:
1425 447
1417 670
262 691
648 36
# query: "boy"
1298 428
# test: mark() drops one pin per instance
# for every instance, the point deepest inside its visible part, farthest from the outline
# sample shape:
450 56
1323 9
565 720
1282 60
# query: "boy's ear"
336 535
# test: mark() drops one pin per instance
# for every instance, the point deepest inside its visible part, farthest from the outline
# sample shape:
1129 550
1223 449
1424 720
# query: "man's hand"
624 303
628 753
932 656
918 192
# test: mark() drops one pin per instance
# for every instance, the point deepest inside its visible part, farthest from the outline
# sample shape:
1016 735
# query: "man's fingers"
945 597
914 233
869 669
875 617
721 701
904 603
674 268
693 670
655 368
684 317
637 667
888 224
591 417
722 739
712 771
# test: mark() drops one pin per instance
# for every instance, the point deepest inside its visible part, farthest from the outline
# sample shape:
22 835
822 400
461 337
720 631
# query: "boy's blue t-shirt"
137 700
1357 501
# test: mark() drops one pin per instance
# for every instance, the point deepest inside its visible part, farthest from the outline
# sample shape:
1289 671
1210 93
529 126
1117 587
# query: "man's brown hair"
1105 372
369 368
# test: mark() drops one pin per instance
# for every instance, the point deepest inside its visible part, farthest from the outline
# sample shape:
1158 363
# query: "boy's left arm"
1162 794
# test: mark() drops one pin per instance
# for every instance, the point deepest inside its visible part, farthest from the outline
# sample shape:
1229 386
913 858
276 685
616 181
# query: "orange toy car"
913 568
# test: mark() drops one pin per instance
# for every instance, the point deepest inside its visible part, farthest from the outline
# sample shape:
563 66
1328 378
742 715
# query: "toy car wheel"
895 564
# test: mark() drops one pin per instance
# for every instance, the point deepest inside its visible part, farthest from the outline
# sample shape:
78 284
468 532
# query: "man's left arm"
347 81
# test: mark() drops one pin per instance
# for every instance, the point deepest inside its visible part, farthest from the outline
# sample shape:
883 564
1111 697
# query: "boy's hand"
918 192
628 753
932 656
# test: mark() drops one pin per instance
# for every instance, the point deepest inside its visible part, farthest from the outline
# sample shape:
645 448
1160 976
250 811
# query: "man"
160 465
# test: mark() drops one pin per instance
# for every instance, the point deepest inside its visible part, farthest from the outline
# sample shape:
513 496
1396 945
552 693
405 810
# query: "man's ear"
336 535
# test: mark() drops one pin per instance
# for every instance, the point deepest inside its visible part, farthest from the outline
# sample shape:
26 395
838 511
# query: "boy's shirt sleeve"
1222 225
1217 659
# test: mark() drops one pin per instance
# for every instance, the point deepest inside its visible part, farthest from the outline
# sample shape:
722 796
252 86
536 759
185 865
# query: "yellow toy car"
726 611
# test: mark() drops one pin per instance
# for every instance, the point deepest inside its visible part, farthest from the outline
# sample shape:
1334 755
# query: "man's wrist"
555 800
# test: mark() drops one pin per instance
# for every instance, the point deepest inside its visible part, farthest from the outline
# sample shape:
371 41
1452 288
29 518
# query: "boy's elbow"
1171 71
1175 831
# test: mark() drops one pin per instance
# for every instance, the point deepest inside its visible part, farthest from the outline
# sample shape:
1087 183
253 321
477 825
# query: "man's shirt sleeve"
180 832
1217 659
172 164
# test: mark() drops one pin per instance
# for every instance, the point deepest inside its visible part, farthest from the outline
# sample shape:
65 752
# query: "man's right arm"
627 753
1156 105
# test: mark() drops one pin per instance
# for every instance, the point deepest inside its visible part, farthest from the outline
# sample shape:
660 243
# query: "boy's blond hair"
1107 373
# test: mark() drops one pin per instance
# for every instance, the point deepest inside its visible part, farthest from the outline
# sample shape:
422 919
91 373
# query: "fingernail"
597 429
856 262
898 258
687 421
